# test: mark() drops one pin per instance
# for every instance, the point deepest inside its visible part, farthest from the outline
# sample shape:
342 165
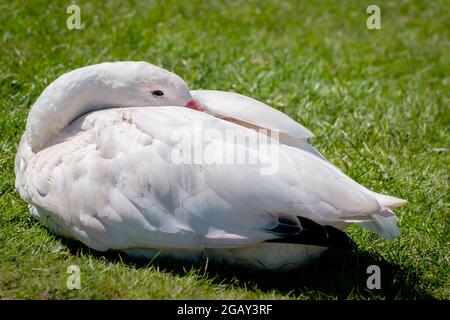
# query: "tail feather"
390 202
308 232
385 225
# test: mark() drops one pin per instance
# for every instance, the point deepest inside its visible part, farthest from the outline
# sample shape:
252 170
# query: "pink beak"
194 104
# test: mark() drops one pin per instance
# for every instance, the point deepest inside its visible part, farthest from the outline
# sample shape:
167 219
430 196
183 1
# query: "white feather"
108 179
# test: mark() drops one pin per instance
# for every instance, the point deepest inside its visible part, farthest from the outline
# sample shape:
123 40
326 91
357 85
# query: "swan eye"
157 93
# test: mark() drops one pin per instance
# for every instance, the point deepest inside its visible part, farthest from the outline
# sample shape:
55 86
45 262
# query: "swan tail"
383 224
386 201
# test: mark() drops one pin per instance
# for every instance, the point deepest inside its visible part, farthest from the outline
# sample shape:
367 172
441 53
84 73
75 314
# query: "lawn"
377 101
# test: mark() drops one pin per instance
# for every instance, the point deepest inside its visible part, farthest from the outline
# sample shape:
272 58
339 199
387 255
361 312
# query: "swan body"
102 171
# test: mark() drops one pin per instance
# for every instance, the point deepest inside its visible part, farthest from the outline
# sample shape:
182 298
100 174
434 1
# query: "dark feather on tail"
308 232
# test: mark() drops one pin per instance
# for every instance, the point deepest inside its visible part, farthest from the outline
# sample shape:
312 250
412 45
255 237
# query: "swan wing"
254 114
110 181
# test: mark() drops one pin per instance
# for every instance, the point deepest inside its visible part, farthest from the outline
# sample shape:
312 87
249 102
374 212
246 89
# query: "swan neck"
63 101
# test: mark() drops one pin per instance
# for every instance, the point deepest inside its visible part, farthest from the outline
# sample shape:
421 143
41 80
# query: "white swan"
96 164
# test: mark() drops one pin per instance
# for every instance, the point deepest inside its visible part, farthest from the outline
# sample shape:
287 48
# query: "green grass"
377 101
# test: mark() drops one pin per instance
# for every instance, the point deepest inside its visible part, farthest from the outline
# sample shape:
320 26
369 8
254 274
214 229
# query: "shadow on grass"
335 274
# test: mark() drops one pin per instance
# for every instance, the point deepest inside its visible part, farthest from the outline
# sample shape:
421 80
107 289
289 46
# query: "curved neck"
70 96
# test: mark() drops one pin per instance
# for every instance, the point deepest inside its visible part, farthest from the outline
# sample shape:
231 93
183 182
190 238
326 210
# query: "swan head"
102 86
140 84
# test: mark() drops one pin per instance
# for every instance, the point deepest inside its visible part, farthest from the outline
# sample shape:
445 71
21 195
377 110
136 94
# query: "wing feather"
110 181
254 114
